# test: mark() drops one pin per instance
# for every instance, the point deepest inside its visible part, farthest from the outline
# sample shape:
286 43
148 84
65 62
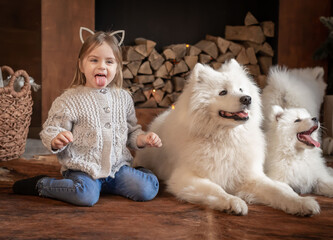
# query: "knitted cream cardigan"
103 124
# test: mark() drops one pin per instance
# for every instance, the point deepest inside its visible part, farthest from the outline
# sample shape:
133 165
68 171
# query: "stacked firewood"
157 79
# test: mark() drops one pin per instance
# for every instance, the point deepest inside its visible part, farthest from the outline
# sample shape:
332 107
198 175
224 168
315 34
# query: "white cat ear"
122 32
277 112
85 29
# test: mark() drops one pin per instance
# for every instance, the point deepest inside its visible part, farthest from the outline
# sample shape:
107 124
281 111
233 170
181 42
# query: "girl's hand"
151 140
61 140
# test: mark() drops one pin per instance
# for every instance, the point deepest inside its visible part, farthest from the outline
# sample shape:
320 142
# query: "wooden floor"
114 217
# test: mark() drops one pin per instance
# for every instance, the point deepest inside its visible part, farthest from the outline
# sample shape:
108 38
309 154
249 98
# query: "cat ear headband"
122 32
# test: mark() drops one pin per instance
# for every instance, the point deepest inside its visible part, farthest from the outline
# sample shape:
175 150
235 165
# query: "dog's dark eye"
297 120
224 92
241 90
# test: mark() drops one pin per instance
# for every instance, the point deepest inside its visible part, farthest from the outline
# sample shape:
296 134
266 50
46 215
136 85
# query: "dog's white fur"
294 88
299 94
215 161
292 161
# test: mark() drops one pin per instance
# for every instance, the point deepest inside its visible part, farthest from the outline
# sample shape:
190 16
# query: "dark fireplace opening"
174 22
185 33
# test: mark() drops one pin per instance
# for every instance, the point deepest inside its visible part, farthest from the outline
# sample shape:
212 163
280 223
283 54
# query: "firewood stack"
157 79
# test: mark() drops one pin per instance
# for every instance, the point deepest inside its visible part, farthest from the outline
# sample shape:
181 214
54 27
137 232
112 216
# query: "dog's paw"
237 206
307 206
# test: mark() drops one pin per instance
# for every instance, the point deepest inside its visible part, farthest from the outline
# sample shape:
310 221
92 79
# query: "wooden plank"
134 67
251 55
242 57
56 48
148 45
224 57
250 19
204 58
20 43
268 28
245 33
265 63
30 217
208 47
267 50
145 68
155 59
180 67
301 32
191 61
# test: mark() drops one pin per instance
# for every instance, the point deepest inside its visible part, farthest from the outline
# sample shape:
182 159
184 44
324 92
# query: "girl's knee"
86 201
86 195
147 191
138 184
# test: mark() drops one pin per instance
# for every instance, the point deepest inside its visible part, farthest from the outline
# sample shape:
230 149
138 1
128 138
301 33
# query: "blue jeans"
80 189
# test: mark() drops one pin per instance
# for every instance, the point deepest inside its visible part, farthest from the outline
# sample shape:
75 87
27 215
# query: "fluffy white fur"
213 160
294 88
291 153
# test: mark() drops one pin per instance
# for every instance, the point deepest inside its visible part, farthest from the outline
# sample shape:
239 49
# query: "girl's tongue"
100 80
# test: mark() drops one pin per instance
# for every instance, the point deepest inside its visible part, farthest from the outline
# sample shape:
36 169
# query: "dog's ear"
276 113
318 73
197 70
231 64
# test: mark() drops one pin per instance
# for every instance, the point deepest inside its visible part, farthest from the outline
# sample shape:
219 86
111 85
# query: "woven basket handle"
26 87
10 71
7 69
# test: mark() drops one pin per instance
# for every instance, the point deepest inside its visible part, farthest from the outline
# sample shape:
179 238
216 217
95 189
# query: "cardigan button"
104 90
107 109
107 125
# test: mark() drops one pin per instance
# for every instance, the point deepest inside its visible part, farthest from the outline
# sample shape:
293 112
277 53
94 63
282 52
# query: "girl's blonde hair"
90 44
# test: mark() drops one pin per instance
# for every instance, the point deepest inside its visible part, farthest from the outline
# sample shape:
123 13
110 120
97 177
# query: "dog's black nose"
314 119
246 100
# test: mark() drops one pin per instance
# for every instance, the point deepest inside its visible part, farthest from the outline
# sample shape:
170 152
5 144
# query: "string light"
172 106
154 90
187 45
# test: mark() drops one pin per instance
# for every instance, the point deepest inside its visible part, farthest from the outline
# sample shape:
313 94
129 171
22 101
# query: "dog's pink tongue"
242 114
100 81
309 139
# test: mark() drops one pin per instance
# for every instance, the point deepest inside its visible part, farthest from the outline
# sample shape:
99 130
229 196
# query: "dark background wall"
173 21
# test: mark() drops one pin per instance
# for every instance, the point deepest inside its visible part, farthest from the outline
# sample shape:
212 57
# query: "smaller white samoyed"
293 153
214 149
294 88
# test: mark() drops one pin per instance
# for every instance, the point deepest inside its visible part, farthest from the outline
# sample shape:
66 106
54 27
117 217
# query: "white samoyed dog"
214 149
294 88
293 153
291 103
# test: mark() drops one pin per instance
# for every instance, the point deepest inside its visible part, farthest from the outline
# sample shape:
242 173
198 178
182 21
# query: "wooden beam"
61 44
301 32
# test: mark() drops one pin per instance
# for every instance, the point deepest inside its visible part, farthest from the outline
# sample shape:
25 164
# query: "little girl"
88 127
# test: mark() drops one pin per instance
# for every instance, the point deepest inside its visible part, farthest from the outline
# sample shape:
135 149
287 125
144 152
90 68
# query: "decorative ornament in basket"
15 115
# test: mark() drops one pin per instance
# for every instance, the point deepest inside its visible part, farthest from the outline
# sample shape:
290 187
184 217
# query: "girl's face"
99 66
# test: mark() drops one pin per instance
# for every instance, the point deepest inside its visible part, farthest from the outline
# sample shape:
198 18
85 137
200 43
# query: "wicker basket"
15 116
